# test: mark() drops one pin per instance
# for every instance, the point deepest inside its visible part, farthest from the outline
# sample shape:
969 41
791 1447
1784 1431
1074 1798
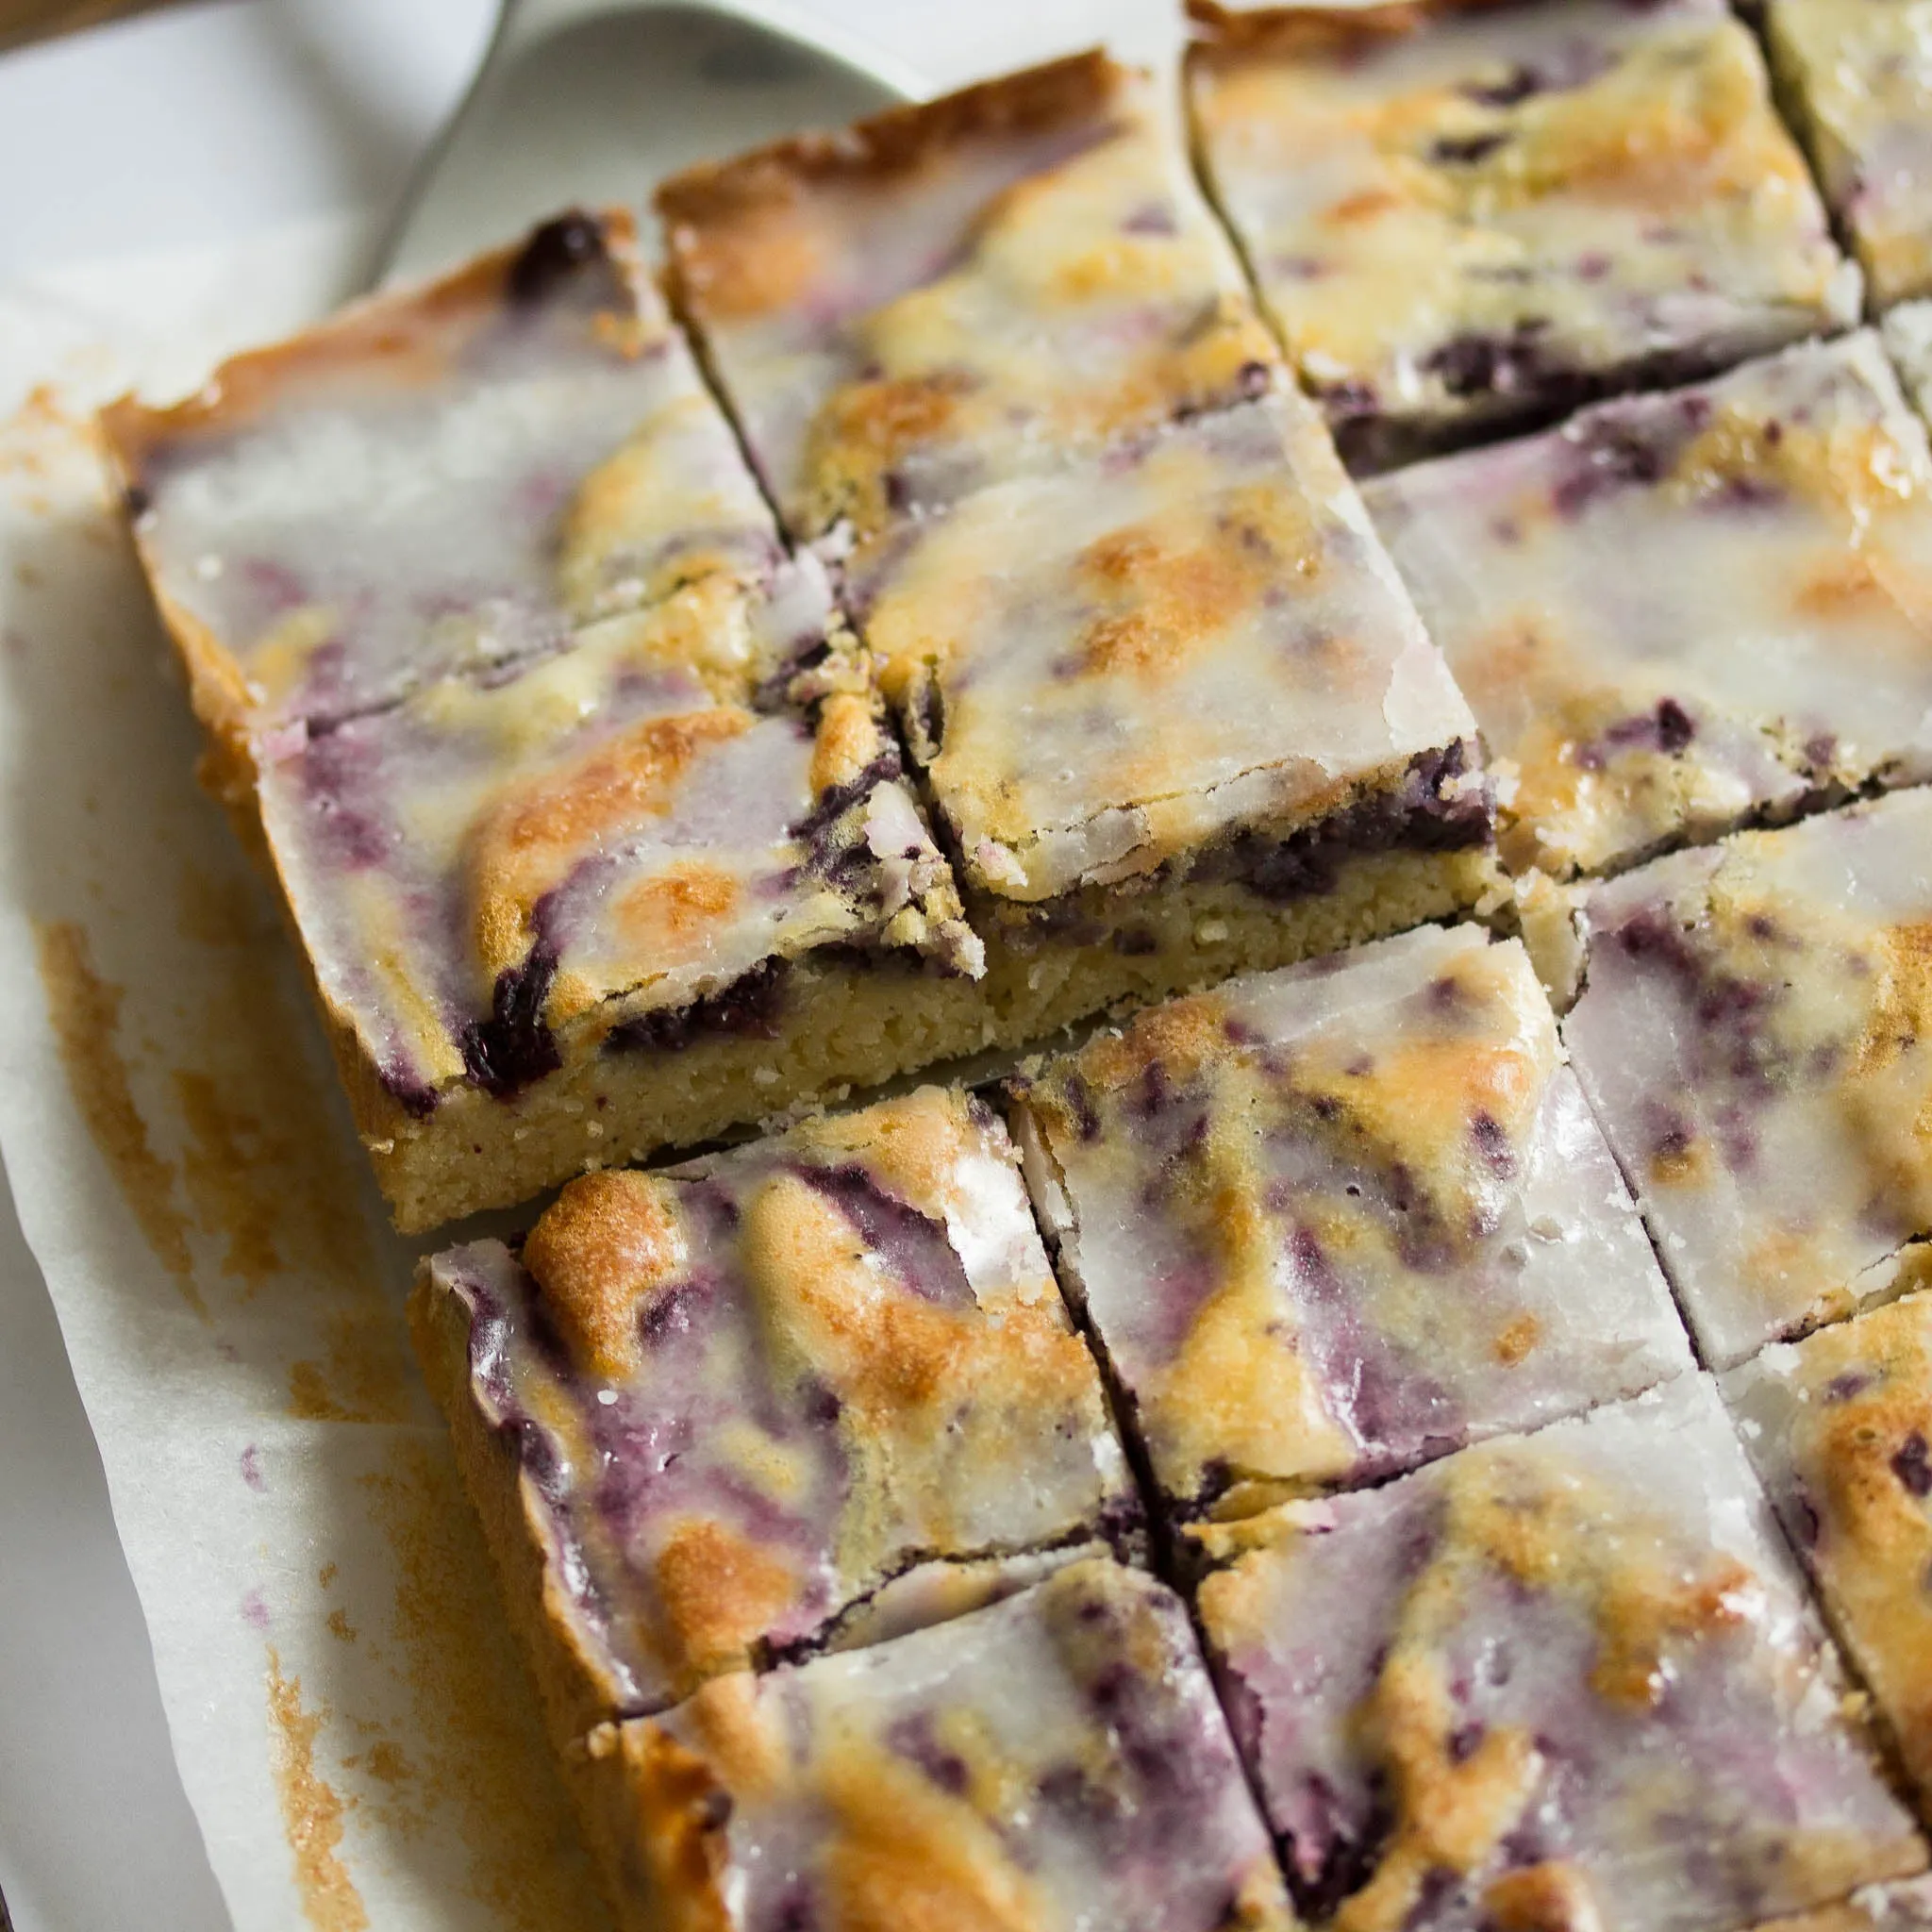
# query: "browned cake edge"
368 332
576 1693
717 194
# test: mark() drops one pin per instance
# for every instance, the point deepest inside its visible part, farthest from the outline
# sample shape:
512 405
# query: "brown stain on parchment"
264 1163
84 1010
483 1754
311 1809
360 1379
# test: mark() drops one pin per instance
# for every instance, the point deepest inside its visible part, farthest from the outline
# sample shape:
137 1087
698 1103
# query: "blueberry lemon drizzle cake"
1680 611
1174 715
1857 75
1461 216
1329 1223
624 895
1036 658
719 1413
1753 1035
1837 1426
433 482
1053 1763
1562 1681
959 292
583 804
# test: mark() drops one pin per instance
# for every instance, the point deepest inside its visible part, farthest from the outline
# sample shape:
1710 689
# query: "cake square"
1177 714
1464 217
624 896
712 1414
1774 648
1857 77
959 290
1753 1036
1051 1763
1329 1223
1837 1426
439 480
1570 1679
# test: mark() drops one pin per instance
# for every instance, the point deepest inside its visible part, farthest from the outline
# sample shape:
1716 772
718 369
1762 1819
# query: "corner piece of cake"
815 1388
1838 1427
959 290
1462 217
443 479
1175 715
1754 1034
1564 1680
1051 1763
1857 75
1681 613
1330 1222
617 898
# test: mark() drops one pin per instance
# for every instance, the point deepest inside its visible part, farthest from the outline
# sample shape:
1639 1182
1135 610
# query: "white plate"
193 128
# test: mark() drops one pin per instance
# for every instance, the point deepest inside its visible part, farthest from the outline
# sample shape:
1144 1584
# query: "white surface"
193 129
81 1733
209 123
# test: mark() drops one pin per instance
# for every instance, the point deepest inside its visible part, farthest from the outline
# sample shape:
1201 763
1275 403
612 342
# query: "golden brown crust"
847 740
896 142
902 1365
599 1252
914 1147
381 329
718 1594
574 1694
740 240
534 835
654 1813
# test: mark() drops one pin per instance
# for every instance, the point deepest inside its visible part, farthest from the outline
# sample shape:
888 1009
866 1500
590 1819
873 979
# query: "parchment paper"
354 1728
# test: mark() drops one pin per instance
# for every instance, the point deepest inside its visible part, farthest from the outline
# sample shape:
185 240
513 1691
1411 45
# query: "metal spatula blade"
590 102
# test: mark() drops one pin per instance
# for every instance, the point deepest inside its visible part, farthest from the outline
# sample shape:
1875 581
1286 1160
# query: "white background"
186 130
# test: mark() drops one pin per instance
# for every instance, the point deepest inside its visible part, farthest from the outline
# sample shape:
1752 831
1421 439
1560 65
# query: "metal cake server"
588 102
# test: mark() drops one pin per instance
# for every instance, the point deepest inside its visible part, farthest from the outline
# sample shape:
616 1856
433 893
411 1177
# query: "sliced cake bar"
1051 1763
623 896
1680 611
814 1386
1175 715
435 481
1564 1680
960 290
1838 1427
1329 1223
1754 1034
1461 216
